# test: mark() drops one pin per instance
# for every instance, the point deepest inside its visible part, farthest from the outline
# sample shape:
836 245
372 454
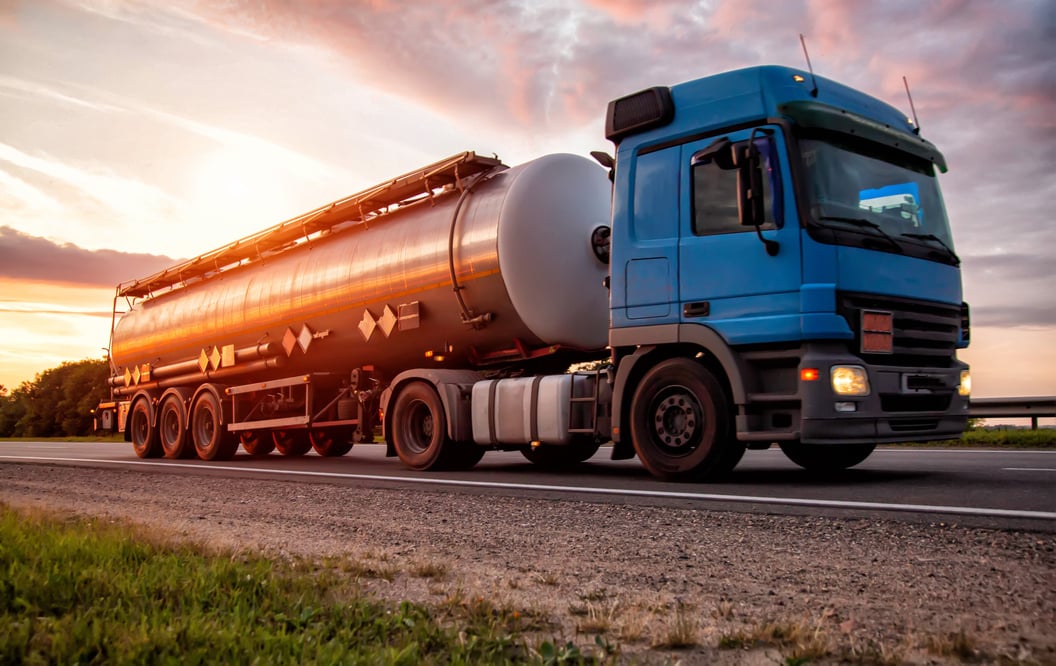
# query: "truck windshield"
861 193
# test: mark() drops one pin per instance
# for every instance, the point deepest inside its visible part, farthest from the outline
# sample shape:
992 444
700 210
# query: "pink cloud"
546 67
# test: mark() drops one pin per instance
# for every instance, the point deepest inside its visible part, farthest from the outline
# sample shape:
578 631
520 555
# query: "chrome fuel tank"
518 244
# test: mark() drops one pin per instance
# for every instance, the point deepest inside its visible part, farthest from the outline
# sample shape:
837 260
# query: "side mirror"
607 161
749 186
750 203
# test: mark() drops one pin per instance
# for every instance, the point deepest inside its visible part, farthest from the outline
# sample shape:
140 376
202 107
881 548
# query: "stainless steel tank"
518 244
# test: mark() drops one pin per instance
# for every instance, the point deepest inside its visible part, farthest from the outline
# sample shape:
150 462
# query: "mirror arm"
772 246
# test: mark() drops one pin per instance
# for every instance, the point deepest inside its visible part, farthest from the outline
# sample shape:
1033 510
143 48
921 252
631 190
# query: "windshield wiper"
862 222
932 237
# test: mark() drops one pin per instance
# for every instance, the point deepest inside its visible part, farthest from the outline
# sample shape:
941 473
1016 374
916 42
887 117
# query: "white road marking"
586 490
1028 469
921 449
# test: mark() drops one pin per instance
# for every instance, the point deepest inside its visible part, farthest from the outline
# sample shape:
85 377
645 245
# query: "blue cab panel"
671 262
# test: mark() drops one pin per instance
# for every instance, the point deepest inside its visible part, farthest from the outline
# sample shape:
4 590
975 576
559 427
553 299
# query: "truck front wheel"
681 423
826 457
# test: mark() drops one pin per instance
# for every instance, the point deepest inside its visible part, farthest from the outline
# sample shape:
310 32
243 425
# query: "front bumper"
905 403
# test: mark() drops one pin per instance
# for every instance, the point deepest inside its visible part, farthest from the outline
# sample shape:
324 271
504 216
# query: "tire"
826 457
682 423
172 429
256 443
211 440
142 432
462 455
331 442
419 427
291 443
557 456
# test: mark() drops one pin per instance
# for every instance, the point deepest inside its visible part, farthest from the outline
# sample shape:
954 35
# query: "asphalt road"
998 489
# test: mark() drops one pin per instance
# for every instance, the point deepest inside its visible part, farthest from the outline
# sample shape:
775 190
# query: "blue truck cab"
782 270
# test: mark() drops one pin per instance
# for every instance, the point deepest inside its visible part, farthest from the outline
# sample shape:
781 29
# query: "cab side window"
715 195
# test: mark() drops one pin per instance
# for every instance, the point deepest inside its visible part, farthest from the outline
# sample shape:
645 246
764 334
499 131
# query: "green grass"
84 591
1043 438
86 438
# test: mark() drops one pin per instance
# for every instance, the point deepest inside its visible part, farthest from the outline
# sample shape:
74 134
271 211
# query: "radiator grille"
925 333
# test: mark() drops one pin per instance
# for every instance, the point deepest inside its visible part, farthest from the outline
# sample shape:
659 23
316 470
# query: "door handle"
701 309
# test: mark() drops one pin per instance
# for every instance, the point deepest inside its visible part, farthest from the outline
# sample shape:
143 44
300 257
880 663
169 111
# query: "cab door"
645 247
728 280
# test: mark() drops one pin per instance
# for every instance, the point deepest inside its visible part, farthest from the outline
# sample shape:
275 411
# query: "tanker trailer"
286 339
761 290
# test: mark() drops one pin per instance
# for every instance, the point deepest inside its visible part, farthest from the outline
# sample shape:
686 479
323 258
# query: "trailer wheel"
211 439
556 456
172 429
291 443
681 423
142 432
419 427
255 443
826 457
331 442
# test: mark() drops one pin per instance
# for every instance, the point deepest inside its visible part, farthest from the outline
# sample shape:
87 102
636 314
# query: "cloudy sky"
133 133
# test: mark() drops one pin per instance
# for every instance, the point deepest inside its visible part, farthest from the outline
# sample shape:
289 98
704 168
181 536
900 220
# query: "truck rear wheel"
419 427
681 423
826 457
256 443
331 442
172 429
142 432
291 443
555 456
462 455
211 439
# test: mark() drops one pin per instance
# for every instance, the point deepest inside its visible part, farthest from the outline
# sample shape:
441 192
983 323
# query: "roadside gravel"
738 588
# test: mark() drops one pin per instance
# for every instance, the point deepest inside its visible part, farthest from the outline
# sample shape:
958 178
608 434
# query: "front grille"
925 333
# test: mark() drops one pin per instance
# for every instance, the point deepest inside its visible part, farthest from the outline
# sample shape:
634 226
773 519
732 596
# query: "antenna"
916 124
813 79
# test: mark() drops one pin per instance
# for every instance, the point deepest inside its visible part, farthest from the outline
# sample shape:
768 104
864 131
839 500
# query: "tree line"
58 403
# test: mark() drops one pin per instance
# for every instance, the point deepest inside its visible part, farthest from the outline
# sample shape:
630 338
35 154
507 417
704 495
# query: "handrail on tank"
408 188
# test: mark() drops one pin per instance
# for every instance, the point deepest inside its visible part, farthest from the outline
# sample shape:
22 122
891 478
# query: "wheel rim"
419 427
321 438
204 427
170 427
291 442
677 421
140 428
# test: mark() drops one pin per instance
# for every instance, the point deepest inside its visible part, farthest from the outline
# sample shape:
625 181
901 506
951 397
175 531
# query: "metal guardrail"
1032 408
